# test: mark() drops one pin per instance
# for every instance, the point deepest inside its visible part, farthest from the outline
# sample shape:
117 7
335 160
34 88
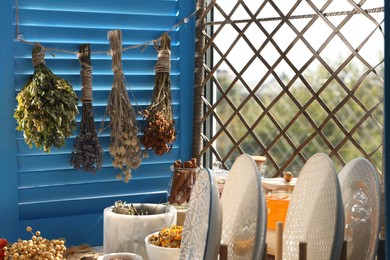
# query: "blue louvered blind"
53 197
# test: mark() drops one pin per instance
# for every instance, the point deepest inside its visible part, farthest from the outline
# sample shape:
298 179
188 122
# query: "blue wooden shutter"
52 196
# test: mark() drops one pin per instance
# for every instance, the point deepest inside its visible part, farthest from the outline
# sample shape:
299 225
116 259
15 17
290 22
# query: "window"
42 190
290 79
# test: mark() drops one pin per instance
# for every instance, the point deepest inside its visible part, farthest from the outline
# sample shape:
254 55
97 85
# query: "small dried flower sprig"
159 133
125 147
37 247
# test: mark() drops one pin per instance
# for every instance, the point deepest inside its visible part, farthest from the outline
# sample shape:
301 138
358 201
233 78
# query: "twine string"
86 81
163 63
19 36
38 58
84 56
115 38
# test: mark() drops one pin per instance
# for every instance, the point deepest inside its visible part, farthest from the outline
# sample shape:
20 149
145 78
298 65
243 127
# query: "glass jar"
182 181
277 194
220 176
260 162
277 206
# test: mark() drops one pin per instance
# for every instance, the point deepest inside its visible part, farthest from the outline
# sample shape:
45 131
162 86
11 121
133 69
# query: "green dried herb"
126 209
47 106
129 209
87 152
159 133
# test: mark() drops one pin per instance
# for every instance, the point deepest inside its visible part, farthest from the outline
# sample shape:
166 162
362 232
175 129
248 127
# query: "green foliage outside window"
359 114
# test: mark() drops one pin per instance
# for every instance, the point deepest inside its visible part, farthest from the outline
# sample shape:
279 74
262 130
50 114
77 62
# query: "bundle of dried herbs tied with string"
87 152
125 147
47 106
159 133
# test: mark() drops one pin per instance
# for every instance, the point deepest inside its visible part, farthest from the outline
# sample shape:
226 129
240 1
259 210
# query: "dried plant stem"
125 146
159 132
87 152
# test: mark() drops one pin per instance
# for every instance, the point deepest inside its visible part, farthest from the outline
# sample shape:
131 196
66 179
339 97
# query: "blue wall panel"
42 190
9 211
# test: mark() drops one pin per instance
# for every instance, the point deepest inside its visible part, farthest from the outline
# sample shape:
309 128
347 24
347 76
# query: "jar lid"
219 171
259 158
278 183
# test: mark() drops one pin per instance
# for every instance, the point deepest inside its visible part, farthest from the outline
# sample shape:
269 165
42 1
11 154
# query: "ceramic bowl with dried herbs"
125 226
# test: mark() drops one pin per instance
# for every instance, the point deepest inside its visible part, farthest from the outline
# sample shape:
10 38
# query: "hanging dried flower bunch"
159 132
87 152
125 147
47 106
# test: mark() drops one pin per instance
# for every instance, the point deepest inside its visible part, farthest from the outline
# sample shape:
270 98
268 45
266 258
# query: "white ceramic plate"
362 205
315 214
244 211
203 221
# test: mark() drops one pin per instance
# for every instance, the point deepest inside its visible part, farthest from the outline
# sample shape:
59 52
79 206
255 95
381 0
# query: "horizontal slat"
102 119
104 139
72 67
100 110
115 187
60 161
101 126
104 82
149 169
54 221
113 7
86 205
63 19
99 50
137 98
77 230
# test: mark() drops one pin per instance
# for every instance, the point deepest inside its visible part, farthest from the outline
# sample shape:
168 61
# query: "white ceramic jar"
126 233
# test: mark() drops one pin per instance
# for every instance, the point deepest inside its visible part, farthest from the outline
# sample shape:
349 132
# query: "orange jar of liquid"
277 206
277 195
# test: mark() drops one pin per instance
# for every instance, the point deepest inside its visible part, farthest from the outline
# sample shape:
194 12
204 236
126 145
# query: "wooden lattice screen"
287 79
306 96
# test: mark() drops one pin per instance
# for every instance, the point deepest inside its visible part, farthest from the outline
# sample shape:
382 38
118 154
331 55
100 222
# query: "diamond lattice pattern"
287 79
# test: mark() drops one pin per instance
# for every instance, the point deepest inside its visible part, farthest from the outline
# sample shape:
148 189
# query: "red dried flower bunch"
159 133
